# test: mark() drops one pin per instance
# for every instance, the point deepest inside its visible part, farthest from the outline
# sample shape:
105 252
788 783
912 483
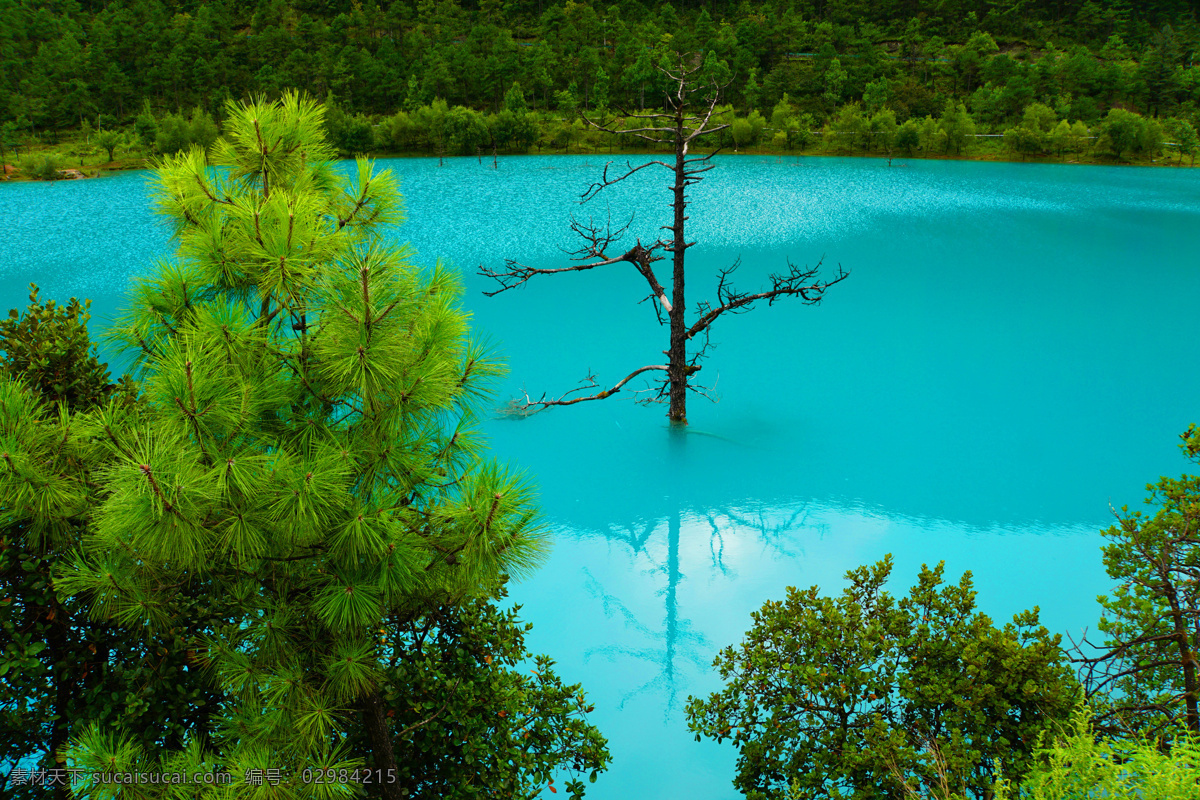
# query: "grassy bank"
77 155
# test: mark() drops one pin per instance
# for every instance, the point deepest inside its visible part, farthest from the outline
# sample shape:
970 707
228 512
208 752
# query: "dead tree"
677 127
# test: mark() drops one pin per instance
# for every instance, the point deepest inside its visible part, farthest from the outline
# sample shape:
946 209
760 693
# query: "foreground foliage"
877 697
1143 672
1079 763
58 670
304 464
505 722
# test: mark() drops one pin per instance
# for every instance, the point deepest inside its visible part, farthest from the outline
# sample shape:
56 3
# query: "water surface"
1011 355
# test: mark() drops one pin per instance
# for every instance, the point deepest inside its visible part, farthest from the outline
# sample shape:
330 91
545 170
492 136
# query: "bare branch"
653 394
702 128
702 352
796 282
629 115
596 239
618 131
709 393
517 408
606 181
516 274
693 125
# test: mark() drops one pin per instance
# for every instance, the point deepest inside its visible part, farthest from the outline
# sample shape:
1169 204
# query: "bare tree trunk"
677 370
1191 692
380 738
678 128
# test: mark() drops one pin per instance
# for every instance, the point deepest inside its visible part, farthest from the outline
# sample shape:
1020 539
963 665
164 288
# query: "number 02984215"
343 776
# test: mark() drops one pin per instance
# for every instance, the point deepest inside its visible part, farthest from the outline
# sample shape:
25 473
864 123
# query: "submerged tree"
305 454
681 129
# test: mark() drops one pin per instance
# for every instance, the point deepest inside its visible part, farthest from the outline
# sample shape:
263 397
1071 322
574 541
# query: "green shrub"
171 134
757 124
908 136
351 134
174 133
466 131
145 127
202 130
398 132
848 128
882 129
1079 765
42 167
110 140
1122 131
742 132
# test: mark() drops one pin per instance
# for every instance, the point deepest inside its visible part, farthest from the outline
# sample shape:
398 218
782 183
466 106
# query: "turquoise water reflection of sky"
1011 354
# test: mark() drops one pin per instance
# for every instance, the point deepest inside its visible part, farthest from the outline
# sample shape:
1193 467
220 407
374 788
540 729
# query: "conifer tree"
306 453
58 671
1143 675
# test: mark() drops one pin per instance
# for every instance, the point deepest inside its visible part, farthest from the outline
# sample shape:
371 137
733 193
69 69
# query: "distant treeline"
66 65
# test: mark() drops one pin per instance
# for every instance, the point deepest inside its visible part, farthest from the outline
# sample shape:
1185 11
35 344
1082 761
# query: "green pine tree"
306 452
58 670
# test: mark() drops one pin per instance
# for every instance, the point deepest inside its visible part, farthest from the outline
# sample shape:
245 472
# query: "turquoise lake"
1011 355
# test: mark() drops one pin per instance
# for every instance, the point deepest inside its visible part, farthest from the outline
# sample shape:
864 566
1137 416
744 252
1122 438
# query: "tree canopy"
69 63
879 697
1143 672
303 463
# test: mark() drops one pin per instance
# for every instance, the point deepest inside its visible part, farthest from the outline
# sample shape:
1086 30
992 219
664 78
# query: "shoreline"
88 172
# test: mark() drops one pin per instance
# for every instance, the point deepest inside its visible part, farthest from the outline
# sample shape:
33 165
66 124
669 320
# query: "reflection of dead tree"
774 534
637 539
716 546
677 637
680 129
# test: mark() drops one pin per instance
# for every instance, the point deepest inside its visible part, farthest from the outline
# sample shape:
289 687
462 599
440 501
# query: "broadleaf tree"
306 452
686 124
505 729
870 696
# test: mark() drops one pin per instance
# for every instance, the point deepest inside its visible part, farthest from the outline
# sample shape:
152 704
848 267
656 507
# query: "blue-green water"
1012 353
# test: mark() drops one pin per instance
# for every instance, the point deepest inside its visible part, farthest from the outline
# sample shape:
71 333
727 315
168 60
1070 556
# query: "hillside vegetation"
165 70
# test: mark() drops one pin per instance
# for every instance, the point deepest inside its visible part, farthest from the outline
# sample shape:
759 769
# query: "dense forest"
71 65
